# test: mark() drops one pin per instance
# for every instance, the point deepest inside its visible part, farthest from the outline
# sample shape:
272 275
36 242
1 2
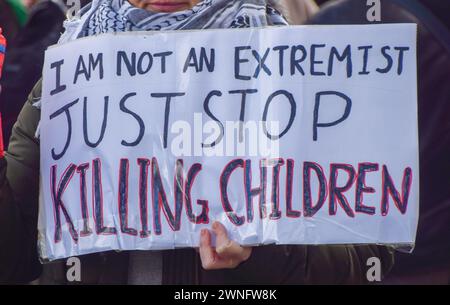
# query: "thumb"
227 248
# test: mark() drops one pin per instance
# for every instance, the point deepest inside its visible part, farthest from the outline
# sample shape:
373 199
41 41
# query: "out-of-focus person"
429 263
19 10
29 3
296 11
13 16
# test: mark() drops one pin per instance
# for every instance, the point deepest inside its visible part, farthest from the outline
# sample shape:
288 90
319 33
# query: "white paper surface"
372 75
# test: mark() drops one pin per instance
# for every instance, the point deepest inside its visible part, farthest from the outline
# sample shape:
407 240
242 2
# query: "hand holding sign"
143 144
226 255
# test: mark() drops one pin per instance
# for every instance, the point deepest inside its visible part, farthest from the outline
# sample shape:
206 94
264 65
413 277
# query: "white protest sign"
286 135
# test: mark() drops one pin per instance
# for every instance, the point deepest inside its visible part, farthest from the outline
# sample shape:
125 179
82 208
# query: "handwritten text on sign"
296 135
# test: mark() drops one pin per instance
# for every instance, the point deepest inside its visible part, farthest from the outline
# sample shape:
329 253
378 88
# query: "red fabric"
2 59
2 49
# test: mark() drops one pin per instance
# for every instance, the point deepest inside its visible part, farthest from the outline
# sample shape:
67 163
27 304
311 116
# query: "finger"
207 253
210 259
219 263
227 248
221 234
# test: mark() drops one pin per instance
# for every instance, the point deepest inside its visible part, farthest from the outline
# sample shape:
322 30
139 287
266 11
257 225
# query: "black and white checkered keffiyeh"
106 16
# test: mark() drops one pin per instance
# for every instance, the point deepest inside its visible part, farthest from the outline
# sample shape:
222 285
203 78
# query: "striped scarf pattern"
106 16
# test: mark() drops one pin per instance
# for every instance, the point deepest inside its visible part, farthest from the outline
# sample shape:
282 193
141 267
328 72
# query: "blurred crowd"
31 26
